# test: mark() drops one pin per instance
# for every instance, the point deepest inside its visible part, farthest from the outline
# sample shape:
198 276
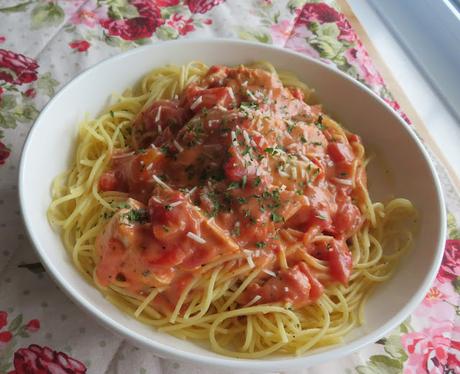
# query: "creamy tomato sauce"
232 164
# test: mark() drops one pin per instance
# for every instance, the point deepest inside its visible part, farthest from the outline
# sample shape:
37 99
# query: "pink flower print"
166 3
4 153
281 31
359 59
87 17
433 297
5 337
318 12
346 31
3 319
135 28
16 68
433 350
202 6
450 267
439 303
33 325
2 39
181 24
30 93
38 360
80 45
298 41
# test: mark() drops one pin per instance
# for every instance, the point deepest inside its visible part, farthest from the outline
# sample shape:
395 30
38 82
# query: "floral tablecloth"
44 44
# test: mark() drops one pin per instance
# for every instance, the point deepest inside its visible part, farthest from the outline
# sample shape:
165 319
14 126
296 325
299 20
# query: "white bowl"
49 146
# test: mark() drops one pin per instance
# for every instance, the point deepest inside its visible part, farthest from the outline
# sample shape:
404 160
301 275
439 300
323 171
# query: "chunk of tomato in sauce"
338 255
296 285
348 218
340 262
109 181
209 98
170 223
340 152
297 93
234 170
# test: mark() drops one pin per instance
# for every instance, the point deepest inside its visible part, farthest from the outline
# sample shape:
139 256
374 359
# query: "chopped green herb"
233 186
244 181
261 244
242 200
112 114
321 216
276 217
137 216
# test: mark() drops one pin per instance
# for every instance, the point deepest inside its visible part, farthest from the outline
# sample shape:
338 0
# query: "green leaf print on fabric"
256 36
380 364
15 323
119 9
166 33
453 230
395 355
394 348
16 8
326 42
47 84
49 14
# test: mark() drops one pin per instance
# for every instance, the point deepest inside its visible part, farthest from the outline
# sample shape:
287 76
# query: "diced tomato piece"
200 255
211 97
316 288
234 170
353 138
170 224
296 285
153 121
171 256
340 261
348 218
108 181
297 93
340 152
174 292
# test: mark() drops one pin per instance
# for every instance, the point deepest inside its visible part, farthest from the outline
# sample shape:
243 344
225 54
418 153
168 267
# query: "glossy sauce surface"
237 163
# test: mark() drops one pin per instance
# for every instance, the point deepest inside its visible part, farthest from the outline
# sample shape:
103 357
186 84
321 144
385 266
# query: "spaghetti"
215 204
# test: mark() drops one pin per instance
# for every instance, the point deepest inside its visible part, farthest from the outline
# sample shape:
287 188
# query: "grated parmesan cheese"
191 191
346 182
234 142
158 116
282 173
248 255
196 238
160 182
269 272
247 138
178 146
230 92
251 95
196 103
253 301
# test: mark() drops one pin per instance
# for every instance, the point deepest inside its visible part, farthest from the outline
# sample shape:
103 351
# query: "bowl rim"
170 351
